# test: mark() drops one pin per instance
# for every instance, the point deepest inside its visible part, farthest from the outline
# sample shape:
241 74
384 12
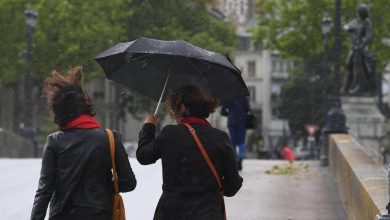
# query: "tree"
12 41
294 29
302 104
68 33
72 32
185 20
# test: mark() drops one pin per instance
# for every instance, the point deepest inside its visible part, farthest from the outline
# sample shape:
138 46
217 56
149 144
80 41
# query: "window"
245 43
276 88
273 65
281 66
251 69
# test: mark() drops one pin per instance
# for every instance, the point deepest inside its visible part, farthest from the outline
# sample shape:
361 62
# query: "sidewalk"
308 194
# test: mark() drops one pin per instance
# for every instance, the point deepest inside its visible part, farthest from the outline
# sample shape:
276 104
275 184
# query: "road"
309 193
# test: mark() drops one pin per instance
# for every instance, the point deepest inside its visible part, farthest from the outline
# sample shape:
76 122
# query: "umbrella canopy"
146 64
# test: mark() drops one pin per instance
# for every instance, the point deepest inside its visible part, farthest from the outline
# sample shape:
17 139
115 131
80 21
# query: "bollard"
380 216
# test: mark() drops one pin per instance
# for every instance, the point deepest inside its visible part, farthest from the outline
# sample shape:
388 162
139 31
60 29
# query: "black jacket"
190 190
76 175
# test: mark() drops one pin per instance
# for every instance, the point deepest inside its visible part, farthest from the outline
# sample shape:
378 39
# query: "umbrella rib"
200 72
129 61
195 67
141 56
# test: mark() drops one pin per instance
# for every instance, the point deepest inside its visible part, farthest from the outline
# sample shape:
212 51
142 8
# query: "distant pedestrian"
237 111
190 189
287 154
76 173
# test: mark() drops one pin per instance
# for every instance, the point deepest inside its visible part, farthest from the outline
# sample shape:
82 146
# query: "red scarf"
195 120
83 121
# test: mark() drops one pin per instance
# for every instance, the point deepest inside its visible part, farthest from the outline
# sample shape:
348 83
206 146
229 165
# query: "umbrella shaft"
163 91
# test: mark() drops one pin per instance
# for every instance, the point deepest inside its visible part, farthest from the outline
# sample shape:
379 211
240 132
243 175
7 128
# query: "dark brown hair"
65 97
197 101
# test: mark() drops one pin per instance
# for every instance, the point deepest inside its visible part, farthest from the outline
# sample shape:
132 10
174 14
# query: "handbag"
211 165
118 208
224 111
251 121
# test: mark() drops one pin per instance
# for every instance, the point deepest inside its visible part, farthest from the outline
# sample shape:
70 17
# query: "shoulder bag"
211 165
118 209
251 121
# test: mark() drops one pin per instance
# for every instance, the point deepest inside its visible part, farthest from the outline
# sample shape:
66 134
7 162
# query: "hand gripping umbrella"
152 66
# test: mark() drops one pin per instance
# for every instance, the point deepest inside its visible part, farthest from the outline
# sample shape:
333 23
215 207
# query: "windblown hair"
198 102
65 97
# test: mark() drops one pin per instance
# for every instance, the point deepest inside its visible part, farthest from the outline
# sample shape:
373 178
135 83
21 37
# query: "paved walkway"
310 193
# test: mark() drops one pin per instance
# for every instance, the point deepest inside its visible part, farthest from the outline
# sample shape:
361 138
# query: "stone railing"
362 181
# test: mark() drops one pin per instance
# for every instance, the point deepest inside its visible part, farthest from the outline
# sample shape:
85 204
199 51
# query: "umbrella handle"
163 91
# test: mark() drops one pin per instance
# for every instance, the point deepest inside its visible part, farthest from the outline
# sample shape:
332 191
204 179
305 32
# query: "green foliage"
12 40
68 33
185 20
72 32
302 104
294 29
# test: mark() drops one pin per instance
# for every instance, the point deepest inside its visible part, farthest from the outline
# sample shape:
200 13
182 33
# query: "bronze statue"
360 69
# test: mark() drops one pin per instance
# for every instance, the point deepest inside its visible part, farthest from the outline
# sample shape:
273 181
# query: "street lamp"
31 21
335 119
325 29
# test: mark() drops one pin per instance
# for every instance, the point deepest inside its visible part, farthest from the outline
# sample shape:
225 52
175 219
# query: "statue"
360 69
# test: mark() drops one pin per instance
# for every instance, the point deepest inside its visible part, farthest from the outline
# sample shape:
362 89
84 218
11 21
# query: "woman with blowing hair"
190 190
76 173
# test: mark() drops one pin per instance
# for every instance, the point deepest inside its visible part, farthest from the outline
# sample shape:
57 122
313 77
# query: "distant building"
264 71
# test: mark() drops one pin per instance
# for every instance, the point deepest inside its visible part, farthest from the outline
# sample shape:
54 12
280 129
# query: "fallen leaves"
288 169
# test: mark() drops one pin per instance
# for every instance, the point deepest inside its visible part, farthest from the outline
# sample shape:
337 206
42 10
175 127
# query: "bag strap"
211 165
204 153
112 152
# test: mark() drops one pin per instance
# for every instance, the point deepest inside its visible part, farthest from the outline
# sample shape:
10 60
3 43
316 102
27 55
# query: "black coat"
190 191
236 111
76 175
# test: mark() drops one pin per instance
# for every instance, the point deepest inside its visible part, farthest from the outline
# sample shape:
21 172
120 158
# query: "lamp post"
326 25
335 119
31 21
325 29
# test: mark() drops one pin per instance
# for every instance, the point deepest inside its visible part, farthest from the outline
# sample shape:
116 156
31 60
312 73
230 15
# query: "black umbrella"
151 66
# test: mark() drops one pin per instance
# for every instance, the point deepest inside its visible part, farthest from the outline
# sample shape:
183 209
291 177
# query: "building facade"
264 71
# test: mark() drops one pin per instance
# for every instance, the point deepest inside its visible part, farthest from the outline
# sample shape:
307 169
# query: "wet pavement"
310 193
307 194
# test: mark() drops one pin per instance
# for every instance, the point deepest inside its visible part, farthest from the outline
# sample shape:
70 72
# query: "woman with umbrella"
192 179
76 173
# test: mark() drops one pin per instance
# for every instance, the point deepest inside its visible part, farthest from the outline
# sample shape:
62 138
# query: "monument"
364 120
360 67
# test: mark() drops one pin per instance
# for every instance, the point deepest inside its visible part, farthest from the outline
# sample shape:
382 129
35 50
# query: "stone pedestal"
365 122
